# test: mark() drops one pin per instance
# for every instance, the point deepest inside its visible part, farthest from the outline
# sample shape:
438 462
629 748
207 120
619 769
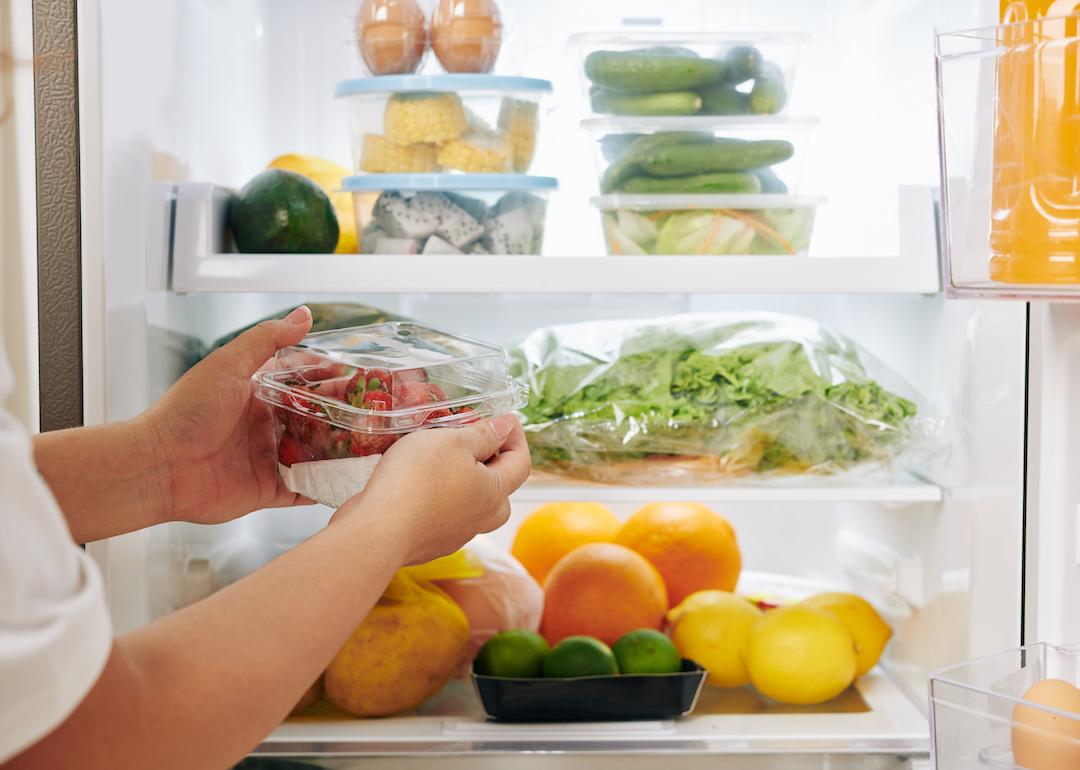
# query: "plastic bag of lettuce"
708 397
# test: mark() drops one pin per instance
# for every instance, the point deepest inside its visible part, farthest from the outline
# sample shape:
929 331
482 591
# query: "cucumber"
723 99
721 155
626 166
744 62
613 146
719 182
770 182
768 95
646 71
664 103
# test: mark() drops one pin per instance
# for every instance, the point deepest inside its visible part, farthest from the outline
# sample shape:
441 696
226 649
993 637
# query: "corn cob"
477 154
380 156
517 119
427 118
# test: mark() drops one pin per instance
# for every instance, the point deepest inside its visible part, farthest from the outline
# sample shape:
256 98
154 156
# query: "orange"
602 590
693 547
555 529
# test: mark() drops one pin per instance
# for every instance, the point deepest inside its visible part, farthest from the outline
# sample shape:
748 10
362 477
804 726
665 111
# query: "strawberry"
364 381
378 401
290 451
411 393
364 444
436 392
437 414
410 375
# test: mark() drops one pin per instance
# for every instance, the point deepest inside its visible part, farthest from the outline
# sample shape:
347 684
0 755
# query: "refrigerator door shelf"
203 260
874 718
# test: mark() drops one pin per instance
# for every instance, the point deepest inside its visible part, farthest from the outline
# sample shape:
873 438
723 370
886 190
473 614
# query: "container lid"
448 182
392 377
463 82
657 201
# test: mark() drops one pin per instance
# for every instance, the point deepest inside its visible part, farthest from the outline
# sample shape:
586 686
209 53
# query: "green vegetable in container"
768 96
718 155
657 104
744 62
716 183
724 99
705 397
652 70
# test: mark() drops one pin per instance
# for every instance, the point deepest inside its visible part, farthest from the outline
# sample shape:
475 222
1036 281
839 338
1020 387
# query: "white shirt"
54 626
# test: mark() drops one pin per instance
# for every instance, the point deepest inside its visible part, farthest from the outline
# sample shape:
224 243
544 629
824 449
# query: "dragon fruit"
436 245
477 208
369 236
397 246
455 225
509 233
395 214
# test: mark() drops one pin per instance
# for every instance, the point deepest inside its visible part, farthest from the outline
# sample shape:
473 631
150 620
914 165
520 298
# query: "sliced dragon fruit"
394 214
436 245
397 246
509 233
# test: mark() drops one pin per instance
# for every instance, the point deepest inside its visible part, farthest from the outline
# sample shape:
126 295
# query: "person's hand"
217 439
442 487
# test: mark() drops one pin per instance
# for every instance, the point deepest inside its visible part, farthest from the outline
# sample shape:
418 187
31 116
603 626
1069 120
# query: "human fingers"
247 353
513 464
485 438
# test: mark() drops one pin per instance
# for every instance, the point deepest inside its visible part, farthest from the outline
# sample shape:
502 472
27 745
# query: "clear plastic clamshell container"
341 398
685 156
450 213
411 124
1019 710
686 74
707 225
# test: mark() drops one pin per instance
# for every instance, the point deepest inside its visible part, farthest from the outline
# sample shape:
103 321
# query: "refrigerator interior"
223 87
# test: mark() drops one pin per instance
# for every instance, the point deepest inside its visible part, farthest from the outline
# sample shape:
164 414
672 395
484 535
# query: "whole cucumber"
723 99
648 71
718 182
770 182
663 103
768 95
626 165
721 155
744 62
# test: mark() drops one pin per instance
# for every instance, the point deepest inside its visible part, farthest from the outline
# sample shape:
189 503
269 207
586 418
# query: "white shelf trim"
198 264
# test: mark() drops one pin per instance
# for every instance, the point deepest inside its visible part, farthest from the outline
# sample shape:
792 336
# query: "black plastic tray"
592 698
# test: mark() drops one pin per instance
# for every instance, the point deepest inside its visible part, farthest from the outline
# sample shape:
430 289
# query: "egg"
390 35
1045 741
466 34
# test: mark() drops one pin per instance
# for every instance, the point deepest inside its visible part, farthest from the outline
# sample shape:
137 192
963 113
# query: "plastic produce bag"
710 397
502 598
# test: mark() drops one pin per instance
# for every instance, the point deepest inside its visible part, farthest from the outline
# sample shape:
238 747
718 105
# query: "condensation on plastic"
718 398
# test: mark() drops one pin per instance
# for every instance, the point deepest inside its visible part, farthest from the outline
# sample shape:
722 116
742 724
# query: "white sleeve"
54 626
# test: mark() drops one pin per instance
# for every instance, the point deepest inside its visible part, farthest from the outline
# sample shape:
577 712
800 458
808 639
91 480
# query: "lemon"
646 651
517 654
328 176
800 655
713 628
866 627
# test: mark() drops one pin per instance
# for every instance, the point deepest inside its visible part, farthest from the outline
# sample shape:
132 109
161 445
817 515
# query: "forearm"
107 479
201 687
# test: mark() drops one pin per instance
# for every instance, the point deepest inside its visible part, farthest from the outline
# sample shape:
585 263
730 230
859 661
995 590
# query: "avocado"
281 212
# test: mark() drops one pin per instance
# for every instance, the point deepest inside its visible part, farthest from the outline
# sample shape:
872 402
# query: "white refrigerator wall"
212 90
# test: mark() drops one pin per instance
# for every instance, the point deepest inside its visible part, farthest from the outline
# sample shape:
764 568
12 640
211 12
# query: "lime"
517 654
646 651
580 656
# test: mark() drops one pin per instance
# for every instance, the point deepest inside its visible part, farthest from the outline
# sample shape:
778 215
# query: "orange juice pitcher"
1035 226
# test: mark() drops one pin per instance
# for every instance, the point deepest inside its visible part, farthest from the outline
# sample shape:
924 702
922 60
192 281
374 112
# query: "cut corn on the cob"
476 155
518 120
381 156
424 118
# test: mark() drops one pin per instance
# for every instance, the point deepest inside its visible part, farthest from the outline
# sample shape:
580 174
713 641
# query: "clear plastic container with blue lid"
464 123
450 213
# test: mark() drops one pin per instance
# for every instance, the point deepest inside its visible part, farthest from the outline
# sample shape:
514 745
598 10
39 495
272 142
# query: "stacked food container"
694 152
441 161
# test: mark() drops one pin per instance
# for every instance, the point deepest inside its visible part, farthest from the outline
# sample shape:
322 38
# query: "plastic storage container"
444 123
451 213
713 156
635 225
1009 114
341 398
981 718
686 74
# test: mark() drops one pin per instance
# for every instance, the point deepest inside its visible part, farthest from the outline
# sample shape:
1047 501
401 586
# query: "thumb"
485 438
253 348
